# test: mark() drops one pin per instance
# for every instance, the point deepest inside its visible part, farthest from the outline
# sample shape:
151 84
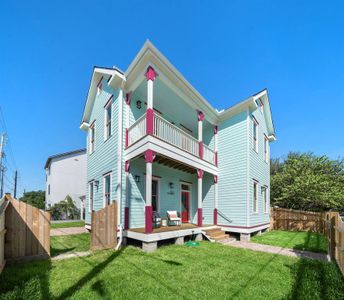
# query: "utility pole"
2 169
15 184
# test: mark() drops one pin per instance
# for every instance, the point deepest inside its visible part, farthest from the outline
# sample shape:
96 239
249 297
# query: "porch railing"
171 134
137 130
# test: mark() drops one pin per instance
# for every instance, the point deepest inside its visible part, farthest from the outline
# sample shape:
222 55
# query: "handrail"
224 216
137 121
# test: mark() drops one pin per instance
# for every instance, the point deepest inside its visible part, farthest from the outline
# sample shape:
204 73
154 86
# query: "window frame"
255 197
265 199
92 141
255 134
266 157
107 121
109 174
90 199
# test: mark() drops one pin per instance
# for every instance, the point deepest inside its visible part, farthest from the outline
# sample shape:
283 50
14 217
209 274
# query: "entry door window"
155 196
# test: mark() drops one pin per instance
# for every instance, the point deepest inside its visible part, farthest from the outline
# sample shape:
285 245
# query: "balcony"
171 134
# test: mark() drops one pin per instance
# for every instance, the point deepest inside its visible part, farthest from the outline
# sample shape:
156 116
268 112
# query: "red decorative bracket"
128 98
150 73
200 115
127 165
216 130
200 173
215 178
149 156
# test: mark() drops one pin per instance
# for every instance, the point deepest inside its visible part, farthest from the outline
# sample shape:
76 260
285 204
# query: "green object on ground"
298 240
69 243
192 244
68 224
214 271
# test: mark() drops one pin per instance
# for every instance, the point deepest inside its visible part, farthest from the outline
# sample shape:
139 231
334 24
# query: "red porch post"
199 197
149 158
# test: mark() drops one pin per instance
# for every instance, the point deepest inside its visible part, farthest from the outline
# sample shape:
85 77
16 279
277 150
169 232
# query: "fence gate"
104 228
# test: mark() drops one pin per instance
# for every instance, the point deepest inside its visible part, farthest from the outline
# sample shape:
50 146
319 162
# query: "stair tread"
220 237
209 231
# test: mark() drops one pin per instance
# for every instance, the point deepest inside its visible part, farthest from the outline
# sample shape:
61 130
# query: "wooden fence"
27 231
296 220
104 228
3 206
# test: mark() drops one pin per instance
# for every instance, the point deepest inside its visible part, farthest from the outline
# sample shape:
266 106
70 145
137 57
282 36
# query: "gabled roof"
50 158
149 54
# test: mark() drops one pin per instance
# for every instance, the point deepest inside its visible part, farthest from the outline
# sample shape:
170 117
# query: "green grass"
309 241
69 243
211 271
68 224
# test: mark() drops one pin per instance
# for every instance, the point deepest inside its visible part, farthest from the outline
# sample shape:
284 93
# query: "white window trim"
190 191
255 201
92 145
105 175
266 149
107 105
255 142
90 203
265 199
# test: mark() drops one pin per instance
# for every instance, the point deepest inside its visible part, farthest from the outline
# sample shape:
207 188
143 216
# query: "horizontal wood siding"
259 169
232 158
104 157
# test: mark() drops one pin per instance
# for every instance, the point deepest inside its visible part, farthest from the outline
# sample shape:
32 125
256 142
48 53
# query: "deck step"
220 237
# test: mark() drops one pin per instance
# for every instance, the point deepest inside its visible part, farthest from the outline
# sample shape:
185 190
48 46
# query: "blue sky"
228 50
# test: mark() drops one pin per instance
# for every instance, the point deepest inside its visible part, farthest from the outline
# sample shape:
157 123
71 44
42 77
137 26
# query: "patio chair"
173 218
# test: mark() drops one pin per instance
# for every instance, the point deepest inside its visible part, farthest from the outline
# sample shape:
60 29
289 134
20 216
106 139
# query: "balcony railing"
171 134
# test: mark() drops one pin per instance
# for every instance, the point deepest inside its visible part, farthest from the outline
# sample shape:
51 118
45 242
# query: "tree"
34 198
65 209
308 182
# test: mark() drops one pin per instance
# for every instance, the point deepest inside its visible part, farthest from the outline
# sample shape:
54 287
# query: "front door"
185 199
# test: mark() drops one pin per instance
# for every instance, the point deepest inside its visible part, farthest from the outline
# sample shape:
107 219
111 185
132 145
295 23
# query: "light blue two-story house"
155 145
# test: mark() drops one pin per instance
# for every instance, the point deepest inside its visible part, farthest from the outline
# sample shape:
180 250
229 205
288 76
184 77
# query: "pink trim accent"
149 156
200 115
216 129
126 138
150 73
199 217
126 218
244 227
149 219
200 149
200 173
215 216
150 121
128 98
216 159
215 178
127 165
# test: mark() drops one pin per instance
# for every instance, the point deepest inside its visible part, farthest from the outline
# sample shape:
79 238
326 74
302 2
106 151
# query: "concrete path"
71 255
67 231
277 250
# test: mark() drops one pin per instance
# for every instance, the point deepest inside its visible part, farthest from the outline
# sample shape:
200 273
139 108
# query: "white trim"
105 175
84 126
244 230
255 207
255 125
119 155
90 203
190 198
265 199
92 147
106 107
266 149
248 160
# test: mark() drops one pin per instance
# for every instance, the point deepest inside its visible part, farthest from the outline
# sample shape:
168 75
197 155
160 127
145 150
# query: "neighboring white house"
66 175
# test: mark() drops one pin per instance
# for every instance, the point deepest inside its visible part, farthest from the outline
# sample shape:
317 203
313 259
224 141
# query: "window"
92 137
91 196
48 189
255 196
107 120
255 135
266 157
265 199
107 189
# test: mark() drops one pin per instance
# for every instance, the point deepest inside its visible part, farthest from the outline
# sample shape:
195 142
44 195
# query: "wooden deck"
168 228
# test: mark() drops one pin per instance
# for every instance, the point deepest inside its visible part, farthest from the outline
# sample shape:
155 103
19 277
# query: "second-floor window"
266 156
107 189
107 119
255 135
92 136
255 196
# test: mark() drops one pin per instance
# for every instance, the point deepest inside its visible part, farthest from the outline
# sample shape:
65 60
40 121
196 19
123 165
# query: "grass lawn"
69 243
299 240
68 224
211 271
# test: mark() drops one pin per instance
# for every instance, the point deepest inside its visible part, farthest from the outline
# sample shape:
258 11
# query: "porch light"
138 104
96 183
171 185
137 178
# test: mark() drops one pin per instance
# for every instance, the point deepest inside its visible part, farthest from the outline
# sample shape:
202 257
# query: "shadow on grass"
317 245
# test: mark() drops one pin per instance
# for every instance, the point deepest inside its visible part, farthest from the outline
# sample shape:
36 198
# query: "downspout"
119 166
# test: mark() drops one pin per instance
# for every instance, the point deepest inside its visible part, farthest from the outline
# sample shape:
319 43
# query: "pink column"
215 142
149 157
126 208
127 102
200 133
199 197
215 199
150 77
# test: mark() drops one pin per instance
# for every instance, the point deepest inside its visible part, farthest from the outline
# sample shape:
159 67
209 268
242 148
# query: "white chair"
173 218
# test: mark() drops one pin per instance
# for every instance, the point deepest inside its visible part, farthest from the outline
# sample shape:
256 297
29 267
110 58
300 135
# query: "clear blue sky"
227 50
